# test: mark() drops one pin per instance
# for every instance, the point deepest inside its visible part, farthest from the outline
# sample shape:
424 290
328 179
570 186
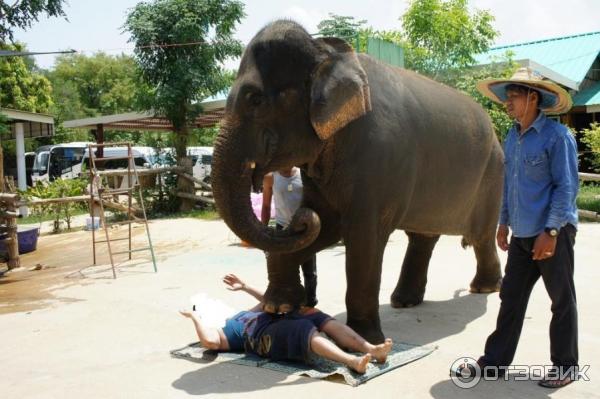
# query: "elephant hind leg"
483 223
410 289
488 277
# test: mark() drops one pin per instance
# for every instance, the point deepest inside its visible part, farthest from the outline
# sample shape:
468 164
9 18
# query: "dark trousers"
309 272
520 276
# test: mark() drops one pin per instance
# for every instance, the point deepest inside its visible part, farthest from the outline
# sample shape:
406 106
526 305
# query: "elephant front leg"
410 289
364 255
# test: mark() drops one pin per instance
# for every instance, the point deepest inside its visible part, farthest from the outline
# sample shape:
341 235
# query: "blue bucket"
27 237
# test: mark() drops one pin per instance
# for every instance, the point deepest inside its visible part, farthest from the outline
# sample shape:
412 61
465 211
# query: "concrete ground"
71 333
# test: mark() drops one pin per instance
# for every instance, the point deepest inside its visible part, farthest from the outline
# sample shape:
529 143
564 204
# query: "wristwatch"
552 232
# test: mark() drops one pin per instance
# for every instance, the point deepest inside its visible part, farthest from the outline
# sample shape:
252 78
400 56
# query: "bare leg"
327 349
209 337
346 337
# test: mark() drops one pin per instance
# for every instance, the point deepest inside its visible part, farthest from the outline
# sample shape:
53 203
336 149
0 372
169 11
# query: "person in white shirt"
285 185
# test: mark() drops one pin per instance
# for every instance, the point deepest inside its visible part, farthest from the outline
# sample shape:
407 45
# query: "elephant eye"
255 99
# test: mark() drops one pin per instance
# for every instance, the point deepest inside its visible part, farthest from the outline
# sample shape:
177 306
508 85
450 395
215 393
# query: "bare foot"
360 363
186 313
381 351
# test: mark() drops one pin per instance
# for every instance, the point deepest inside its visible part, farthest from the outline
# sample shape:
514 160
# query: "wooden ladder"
100 193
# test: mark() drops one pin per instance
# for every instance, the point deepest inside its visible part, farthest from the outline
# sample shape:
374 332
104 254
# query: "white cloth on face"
212 311
287 192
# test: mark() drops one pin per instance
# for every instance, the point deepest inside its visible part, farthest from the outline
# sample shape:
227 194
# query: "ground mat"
401 354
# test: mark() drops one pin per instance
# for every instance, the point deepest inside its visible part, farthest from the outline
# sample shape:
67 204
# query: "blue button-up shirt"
540 178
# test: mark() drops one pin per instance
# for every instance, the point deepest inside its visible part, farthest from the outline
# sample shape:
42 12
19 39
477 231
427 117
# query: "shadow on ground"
226 378
510 388
431 320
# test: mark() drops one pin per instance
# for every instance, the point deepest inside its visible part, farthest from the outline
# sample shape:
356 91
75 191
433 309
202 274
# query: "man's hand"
233 282
544 246
502 237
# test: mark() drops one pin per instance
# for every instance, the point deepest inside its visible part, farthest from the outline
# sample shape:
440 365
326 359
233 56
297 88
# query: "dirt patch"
66 259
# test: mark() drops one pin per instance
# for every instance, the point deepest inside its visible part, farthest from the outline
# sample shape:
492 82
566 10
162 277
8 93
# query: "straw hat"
554 99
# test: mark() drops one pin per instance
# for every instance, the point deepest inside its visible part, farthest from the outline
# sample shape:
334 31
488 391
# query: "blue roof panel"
570 56
589 96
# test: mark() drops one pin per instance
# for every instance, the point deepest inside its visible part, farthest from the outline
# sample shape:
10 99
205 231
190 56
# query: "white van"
202 161
142 157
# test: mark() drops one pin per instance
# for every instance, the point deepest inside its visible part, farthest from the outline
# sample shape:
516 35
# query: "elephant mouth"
270 143
258 174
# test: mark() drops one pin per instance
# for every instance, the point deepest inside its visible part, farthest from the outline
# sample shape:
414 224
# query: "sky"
94 25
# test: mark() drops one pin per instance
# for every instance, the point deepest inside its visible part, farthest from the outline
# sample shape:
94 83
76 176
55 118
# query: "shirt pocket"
537 166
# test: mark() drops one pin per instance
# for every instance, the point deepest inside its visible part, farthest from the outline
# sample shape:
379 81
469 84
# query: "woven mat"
401 354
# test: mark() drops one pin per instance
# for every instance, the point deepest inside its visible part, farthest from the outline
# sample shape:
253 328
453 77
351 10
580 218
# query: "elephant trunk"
232 174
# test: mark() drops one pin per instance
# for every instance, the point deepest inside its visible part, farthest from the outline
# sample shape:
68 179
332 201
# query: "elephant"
380 148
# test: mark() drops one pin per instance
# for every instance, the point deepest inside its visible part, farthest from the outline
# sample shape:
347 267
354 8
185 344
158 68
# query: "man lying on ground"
289 336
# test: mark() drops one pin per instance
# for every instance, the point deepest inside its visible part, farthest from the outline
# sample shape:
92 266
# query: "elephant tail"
465 243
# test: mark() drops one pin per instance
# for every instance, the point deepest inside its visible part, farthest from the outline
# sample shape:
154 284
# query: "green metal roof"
588 97
569 56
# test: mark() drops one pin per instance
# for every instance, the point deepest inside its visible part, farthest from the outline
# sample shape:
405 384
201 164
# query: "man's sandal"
555 383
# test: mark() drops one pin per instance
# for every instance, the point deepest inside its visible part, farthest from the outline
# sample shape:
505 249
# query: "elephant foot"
283 298
483 285
406 298
369 330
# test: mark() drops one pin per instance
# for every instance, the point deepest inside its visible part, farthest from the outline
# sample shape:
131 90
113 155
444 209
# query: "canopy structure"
32 124
25 125
213 111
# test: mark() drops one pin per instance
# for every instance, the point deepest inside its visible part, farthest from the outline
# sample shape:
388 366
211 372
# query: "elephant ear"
340 90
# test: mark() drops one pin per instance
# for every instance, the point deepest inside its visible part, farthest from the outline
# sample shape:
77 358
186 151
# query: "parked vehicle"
58 160
67 160
29 161
142 157
202 161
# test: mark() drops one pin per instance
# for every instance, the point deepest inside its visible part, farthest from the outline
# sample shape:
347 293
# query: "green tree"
591 137
341 26
3 125
443 34
441 40
94 85
19 87
180 46
86 86
21 13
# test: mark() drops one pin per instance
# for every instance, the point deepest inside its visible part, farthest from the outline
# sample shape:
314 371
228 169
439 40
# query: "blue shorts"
234 329
283 337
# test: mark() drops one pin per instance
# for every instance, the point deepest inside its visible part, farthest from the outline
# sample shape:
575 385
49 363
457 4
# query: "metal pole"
92 205
130 191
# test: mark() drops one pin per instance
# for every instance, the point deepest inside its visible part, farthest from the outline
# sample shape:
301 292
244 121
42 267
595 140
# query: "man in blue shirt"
540 188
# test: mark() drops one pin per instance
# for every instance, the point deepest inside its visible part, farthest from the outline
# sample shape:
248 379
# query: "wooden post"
1 168
100 140
9 202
